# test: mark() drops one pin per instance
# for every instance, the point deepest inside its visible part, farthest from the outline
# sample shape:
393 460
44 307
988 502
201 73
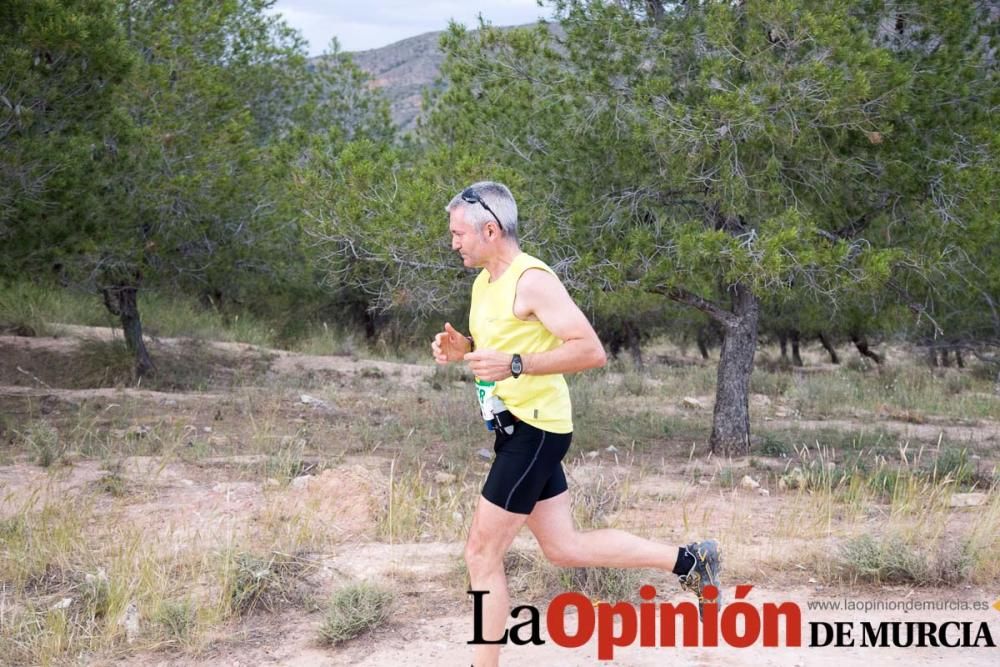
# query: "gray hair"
499 200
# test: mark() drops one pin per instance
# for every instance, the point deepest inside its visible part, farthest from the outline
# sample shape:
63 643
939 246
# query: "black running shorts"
527 468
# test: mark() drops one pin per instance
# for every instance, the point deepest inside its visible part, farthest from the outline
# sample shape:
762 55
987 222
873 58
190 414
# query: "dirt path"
199 498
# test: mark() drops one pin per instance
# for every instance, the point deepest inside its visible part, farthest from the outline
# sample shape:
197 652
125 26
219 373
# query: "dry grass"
863 506
420 504
354 610
262 582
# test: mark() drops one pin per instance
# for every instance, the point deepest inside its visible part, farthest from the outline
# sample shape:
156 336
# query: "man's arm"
540 294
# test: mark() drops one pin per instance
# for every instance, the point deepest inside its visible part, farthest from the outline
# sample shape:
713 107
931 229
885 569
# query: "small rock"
300 482
812 580
611 448
484 453
692 403
749 482
444 477
967 499
782 484
207 429
704 482
270 481
457 516
312 400
62 604
169 403
187 482
764 492
593 454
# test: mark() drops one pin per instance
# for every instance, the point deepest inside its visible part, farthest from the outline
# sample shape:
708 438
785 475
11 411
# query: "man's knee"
481 556
562 554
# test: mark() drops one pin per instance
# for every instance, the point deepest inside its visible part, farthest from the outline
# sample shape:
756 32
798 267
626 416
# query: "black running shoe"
704 572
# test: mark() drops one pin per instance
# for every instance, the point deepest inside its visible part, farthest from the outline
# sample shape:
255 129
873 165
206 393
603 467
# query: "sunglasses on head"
470 197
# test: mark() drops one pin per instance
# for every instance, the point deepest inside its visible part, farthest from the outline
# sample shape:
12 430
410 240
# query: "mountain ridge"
404 69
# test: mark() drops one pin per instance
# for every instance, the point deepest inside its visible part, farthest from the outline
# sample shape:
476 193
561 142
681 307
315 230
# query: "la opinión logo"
739 624
619 624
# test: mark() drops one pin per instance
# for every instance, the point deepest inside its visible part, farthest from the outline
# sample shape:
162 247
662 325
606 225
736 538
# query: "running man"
526 333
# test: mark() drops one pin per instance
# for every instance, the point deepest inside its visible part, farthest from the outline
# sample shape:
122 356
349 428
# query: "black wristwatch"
516 366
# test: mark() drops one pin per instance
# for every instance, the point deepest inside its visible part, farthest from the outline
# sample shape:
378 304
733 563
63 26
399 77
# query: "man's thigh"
493 528
551 522
527 468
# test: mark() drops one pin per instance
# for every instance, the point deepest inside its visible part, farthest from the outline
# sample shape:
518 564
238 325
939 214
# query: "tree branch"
710 308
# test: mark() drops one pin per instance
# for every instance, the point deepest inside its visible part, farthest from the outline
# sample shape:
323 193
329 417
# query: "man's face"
466 241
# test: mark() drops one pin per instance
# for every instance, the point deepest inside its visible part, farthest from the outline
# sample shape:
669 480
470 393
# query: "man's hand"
490 364
449 345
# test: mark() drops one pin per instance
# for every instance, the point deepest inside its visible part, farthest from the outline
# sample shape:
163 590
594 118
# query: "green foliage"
62 64
150 143
43 441
736 164
836 159
954 464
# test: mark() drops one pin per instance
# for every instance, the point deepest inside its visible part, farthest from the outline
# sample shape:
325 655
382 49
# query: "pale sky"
369 24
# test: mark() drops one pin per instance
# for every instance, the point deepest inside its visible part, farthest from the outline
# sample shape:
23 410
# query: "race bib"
484 394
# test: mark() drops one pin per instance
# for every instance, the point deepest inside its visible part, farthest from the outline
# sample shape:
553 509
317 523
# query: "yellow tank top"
541 400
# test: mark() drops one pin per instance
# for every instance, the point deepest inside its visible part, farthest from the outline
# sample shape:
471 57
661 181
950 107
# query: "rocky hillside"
405 69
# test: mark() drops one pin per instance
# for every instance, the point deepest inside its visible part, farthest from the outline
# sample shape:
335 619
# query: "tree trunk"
731 419
828 346
122 301
655 10
702 339
371 326
796 357
861 343
634 343
783 344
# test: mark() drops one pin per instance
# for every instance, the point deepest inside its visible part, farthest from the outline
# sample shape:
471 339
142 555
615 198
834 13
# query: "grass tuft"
253 582
883 560
355 610
176 620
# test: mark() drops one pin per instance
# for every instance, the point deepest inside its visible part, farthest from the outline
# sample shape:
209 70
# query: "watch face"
515 365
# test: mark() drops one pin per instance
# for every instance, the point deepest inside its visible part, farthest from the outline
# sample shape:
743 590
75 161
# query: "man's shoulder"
537 278
527 262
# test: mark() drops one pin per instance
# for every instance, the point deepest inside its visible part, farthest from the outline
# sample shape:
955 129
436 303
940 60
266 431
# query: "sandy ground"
205 500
